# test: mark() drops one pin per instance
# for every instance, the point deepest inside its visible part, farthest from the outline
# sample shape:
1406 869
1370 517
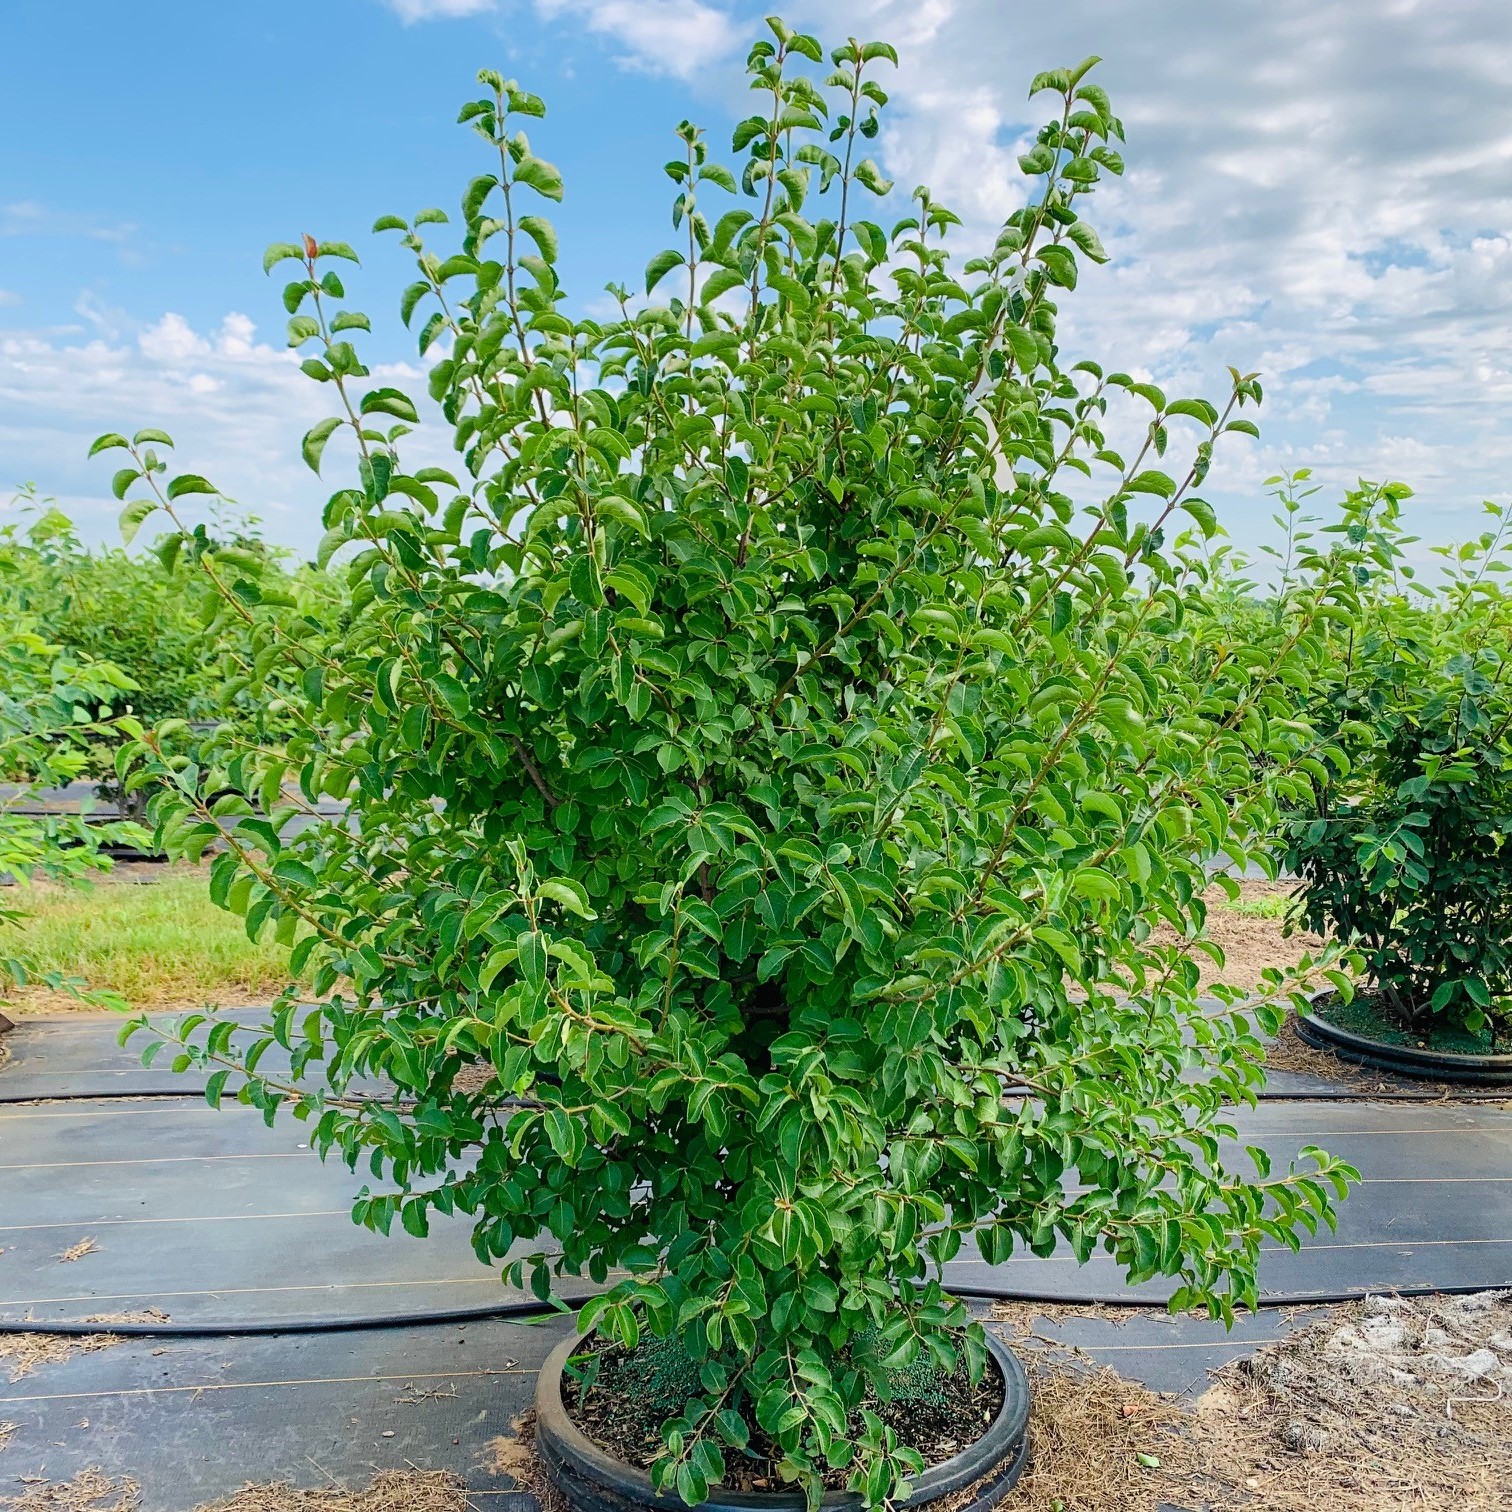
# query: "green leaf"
573 896
133 515
280 252
312 448
1156 483
1201 511
190 483
477 192
1087 239
1023 347
869 176
614 507
110 441
1060 264
542 233
540 176
389 401
660 265
717 173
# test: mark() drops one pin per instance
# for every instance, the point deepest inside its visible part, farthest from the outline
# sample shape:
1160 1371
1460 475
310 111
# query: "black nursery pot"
1403 1060
590 1479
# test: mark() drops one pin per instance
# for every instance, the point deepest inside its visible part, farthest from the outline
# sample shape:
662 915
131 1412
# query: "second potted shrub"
1403 847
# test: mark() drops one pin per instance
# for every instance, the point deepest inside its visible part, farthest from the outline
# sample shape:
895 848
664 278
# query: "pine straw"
144 1315
88 1491
1388 1403
1087 1428
25 1352
515 1454
1022 1316
1290 1052
392 1491
1385 1404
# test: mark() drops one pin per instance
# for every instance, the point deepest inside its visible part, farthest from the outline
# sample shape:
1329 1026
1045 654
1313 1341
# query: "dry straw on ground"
78 1251
88 1491
392 1491
22 1353
1390 1403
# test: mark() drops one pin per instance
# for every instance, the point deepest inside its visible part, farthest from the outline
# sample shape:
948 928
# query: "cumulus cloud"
1317 189
675 37
431 10
235 405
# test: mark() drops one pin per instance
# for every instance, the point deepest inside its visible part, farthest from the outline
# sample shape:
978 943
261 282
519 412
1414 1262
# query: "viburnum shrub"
782 733
1403 845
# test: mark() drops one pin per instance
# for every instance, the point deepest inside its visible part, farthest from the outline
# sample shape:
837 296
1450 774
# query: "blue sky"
1322 191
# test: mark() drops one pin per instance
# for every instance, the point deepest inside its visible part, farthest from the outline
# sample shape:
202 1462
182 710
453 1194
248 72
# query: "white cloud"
9 297
236 406
30 218
675 37
431 10
1317 188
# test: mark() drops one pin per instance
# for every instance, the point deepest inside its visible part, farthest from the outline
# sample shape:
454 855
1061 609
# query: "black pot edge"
571 1457
1403 1060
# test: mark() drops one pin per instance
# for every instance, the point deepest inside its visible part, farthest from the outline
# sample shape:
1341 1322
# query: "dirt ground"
1250 943
391 1491
1389 1403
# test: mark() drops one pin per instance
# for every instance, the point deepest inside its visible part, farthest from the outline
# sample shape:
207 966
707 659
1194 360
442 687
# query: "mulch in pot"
634 1393
1369 1014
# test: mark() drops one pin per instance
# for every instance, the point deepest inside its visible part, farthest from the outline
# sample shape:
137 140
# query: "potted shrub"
771 743
1403 846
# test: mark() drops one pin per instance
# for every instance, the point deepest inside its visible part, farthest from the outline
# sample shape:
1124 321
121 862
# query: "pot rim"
1406 1060
1002 1445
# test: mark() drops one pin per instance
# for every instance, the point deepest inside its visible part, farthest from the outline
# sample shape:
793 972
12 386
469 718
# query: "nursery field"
704 951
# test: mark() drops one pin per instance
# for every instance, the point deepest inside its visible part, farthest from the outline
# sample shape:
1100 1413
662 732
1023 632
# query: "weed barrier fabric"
79 1056
1433 1212
215 1220
1163 1352
193 1421
220 1222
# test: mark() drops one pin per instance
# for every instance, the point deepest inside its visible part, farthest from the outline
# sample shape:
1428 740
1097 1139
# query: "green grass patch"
159 944
1273 906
